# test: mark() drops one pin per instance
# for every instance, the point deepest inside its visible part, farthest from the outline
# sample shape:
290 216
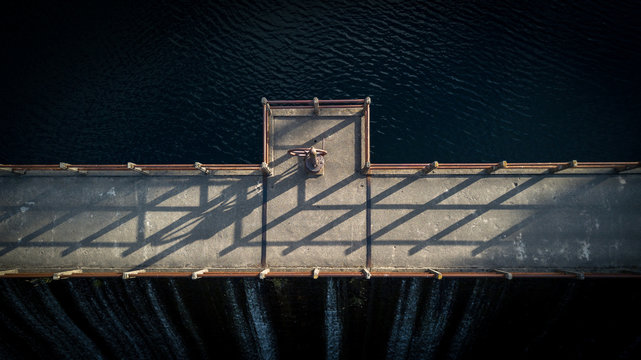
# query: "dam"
355 218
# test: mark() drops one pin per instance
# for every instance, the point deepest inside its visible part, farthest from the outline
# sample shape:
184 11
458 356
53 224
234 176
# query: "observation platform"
568 219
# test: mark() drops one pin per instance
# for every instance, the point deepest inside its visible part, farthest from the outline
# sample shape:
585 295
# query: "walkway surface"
341 220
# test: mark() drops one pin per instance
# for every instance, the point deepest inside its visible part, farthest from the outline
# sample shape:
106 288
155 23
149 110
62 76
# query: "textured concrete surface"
509 221
458 220
129 222
317 220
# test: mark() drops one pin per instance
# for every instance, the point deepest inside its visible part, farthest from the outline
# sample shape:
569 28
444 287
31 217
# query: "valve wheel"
302 152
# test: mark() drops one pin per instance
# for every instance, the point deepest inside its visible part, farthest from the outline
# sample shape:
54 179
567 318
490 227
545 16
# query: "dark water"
177 82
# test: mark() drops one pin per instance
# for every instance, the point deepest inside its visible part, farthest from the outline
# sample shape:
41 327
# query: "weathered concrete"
449 220
317 220
129 222
527 222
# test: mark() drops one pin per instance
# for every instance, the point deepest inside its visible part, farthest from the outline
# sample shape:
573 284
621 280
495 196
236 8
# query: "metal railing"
141 168
316 273
550 167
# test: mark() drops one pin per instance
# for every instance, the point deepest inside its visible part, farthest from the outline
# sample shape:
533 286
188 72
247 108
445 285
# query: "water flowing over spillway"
318 319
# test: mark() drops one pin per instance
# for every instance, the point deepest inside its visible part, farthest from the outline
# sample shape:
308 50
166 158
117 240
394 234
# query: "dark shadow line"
172 192
48 227
527 184
486 245
368 223
290 213
443 196
263 242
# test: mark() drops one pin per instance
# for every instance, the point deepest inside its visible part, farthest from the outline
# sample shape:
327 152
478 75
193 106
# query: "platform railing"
142 168
316 273
550 167
310 104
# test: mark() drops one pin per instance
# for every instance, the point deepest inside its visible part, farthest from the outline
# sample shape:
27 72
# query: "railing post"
268 108
430 167
315 273
66 166
200 167
579 275
131 274
134 167
366 168
195 274
367 274
59 275
571 164
437 274
500 165
508 275
316 106
263 273
266 169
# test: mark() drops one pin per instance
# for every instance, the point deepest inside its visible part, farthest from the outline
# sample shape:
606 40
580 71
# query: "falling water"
433 320
260 324
186 318
333 325
403 320
409 319
240 322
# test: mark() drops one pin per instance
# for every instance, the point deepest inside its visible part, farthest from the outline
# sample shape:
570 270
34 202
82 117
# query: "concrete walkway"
341 220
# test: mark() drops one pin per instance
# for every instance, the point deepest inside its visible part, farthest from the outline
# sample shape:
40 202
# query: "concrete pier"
343 220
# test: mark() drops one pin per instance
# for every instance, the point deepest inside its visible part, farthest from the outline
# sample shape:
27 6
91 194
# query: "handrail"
491 167
310 102
20 168
337 273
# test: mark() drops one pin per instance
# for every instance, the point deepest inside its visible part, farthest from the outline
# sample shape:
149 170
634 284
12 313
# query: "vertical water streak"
247 346
433 320
171 337
141 319
262 330
333 325
476 310
404 320
186 318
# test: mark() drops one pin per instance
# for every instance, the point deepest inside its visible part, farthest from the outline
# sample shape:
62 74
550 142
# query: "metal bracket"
579 275
266 169
200 167
194 275
500 165
430 167
9 271
263 273
128 274
367 274
569 165
59 275
67 166
437 274
133 166
508 275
